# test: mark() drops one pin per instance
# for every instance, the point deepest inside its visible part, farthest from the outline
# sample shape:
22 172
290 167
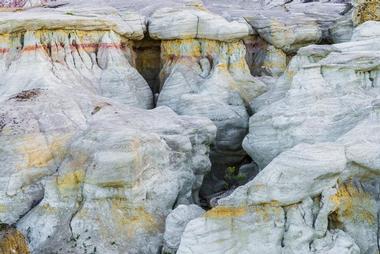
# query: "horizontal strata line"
71 46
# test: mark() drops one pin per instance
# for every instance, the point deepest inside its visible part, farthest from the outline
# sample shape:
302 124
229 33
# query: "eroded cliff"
118 119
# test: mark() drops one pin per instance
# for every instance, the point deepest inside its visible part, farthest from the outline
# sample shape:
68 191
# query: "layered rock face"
204 73
82 170
315 134
211 79
119 119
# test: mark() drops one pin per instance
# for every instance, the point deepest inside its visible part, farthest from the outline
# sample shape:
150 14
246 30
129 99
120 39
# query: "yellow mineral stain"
70 180
197 5
226 212
187 47
240 64
228 56
354 205
114 184
286 33
3 208
38 153
4 39
366 10
48 208
270 65
129 218
12 242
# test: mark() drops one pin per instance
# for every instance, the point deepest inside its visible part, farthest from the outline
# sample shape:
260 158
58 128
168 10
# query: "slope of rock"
88 166
204 73
82 170
319 149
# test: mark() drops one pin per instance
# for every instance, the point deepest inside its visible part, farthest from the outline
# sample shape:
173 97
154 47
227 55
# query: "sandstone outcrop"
83 170
179 126
176 223
365 11
211 79
320 165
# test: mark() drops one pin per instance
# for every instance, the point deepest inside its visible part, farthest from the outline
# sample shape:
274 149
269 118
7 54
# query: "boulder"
318 147
85 167
211 79
176 223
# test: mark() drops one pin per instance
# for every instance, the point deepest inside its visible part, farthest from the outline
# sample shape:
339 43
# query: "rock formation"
179 126
83 170
319 150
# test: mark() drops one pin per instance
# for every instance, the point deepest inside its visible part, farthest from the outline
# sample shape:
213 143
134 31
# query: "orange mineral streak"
85 46
366 10
129 219
226 212
12 242
354 205
260 213
71 180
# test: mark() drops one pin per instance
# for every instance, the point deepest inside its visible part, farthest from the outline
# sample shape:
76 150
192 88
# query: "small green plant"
231 172
232 177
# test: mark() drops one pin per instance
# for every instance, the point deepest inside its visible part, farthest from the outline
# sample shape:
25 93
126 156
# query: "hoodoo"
189 127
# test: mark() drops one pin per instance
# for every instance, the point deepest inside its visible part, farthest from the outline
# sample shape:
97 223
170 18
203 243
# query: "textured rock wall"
148 62
365 11
83 170
327 191
12 241
119 118
211 79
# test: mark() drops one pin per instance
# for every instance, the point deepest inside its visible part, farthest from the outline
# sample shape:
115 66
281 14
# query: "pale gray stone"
235 230
176 223
194 22
83 170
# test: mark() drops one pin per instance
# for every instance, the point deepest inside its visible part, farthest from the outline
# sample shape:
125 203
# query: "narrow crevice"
148 61
197 34
35 203
285 229
80 202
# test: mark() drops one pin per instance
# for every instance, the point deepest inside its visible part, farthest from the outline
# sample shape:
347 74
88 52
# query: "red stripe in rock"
12 3
85 46
3 50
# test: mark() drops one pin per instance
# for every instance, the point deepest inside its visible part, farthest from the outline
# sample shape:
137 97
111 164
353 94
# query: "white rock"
342 83
81 170
301 172
235 230
176 223
367 30
211 79
194 23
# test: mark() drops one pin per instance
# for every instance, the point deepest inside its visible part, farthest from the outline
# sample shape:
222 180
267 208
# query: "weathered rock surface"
12 241
235 230
365 11
319 149
82 170
194 22
83 209
88 166
176 223
341 91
